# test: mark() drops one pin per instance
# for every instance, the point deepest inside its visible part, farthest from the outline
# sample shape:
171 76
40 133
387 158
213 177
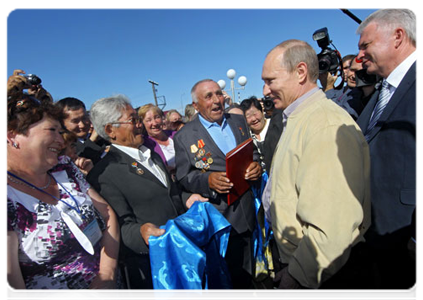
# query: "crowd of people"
332 198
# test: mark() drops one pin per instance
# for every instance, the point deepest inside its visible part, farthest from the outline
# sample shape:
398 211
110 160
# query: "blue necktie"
383 100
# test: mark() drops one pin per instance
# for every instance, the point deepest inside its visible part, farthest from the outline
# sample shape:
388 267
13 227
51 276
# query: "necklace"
31 186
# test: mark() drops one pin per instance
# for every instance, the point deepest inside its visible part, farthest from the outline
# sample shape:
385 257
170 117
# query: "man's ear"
11 138
195 105
302 72
110 131
399 36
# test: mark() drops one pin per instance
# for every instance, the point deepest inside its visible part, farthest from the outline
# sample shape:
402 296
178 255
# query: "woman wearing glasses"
253 113
61 233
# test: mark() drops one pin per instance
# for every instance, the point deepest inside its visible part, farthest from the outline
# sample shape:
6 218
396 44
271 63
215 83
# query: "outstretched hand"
193 198
149 229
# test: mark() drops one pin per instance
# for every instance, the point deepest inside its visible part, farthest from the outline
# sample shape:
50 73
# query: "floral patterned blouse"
50 257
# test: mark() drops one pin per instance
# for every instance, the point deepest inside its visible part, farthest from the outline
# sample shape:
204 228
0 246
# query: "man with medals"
201 147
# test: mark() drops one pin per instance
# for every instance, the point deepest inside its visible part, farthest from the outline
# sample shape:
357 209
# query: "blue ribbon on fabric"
259 244
191 253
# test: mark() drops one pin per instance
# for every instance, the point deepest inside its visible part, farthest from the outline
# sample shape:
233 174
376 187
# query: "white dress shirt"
143 156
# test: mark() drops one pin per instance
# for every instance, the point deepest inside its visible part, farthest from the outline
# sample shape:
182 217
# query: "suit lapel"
239 132
134 167
364 119
160 164
397 97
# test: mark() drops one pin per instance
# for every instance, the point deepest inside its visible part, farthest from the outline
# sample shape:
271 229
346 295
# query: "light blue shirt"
221 135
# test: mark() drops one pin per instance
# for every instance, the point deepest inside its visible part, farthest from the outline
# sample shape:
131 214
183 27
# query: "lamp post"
242 81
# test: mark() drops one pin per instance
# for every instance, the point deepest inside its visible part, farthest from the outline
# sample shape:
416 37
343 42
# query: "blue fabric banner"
190 255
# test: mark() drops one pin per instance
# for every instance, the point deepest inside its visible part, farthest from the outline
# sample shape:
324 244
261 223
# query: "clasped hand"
221 184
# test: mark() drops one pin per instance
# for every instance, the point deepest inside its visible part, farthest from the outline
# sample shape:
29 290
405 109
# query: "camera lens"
33 79
268 104
324 65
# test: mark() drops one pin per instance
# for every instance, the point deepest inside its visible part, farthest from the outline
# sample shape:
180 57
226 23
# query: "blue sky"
90 54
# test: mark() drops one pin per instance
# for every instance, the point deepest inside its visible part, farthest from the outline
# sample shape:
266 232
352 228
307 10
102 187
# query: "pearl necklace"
32 187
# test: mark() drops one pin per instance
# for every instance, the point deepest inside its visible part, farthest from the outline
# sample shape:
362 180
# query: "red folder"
237 162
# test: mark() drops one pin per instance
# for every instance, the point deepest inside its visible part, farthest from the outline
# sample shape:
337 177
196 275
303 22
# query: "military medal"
139 171
202 159
194 148
242 132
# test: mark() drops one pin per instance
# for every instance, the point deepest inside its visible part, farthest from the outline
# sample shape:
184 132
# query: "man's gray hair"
78 295
194 89
107 110
391 19
297 51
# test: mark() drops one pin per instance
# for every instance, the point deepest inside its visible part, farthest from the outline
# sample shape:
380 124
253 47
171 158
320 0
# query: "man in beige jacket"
319 191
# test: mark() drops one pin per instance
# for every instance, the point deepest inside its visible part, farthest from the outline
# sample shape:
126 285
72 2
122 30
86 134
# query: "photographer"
328 79
360 87
18 82
364 86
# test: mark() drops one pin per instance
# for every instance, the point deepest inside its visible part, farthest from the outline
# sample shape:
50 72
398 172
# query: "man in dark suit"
387 48
136 184
272 137
200 149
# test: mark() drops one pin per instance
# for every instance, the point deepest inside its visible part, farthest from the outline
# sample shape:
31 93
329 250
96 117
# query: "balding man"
318 194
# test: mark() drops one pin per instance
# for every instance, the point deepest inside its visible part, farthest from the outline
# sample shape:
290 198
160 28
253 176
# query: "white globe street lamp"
222 84
242 81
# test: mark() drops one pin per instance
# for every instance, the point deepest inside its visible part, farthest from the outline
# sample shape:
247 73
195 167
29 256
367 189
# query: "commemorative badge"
138 170
194 148
242 131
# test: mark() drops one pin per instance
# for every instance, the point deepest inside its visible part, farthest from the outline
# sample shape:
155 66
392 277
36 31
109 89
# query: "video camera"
364 79
329 60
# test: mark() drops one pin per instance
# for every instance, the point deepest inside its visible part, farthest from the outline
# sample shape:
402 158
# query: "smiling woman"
50 207
157 139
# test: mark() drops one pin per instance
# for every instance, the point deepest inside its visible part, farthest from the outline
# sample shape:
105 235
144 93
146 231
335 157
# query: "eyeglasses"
133 121
254 114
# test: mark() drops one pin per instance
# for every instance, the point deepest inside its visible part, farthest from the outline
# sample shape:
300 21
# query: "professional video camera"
364 79
329 60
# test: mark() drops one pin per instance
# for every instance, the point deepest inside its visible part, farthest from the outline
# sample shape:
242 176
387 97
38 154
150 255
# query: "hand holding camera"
330 61
16 83
20 81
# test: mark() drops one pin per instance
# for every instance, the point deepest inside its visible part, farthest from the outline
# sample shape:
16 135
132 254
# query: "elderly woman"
157 139
253 112
61 234
136 183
